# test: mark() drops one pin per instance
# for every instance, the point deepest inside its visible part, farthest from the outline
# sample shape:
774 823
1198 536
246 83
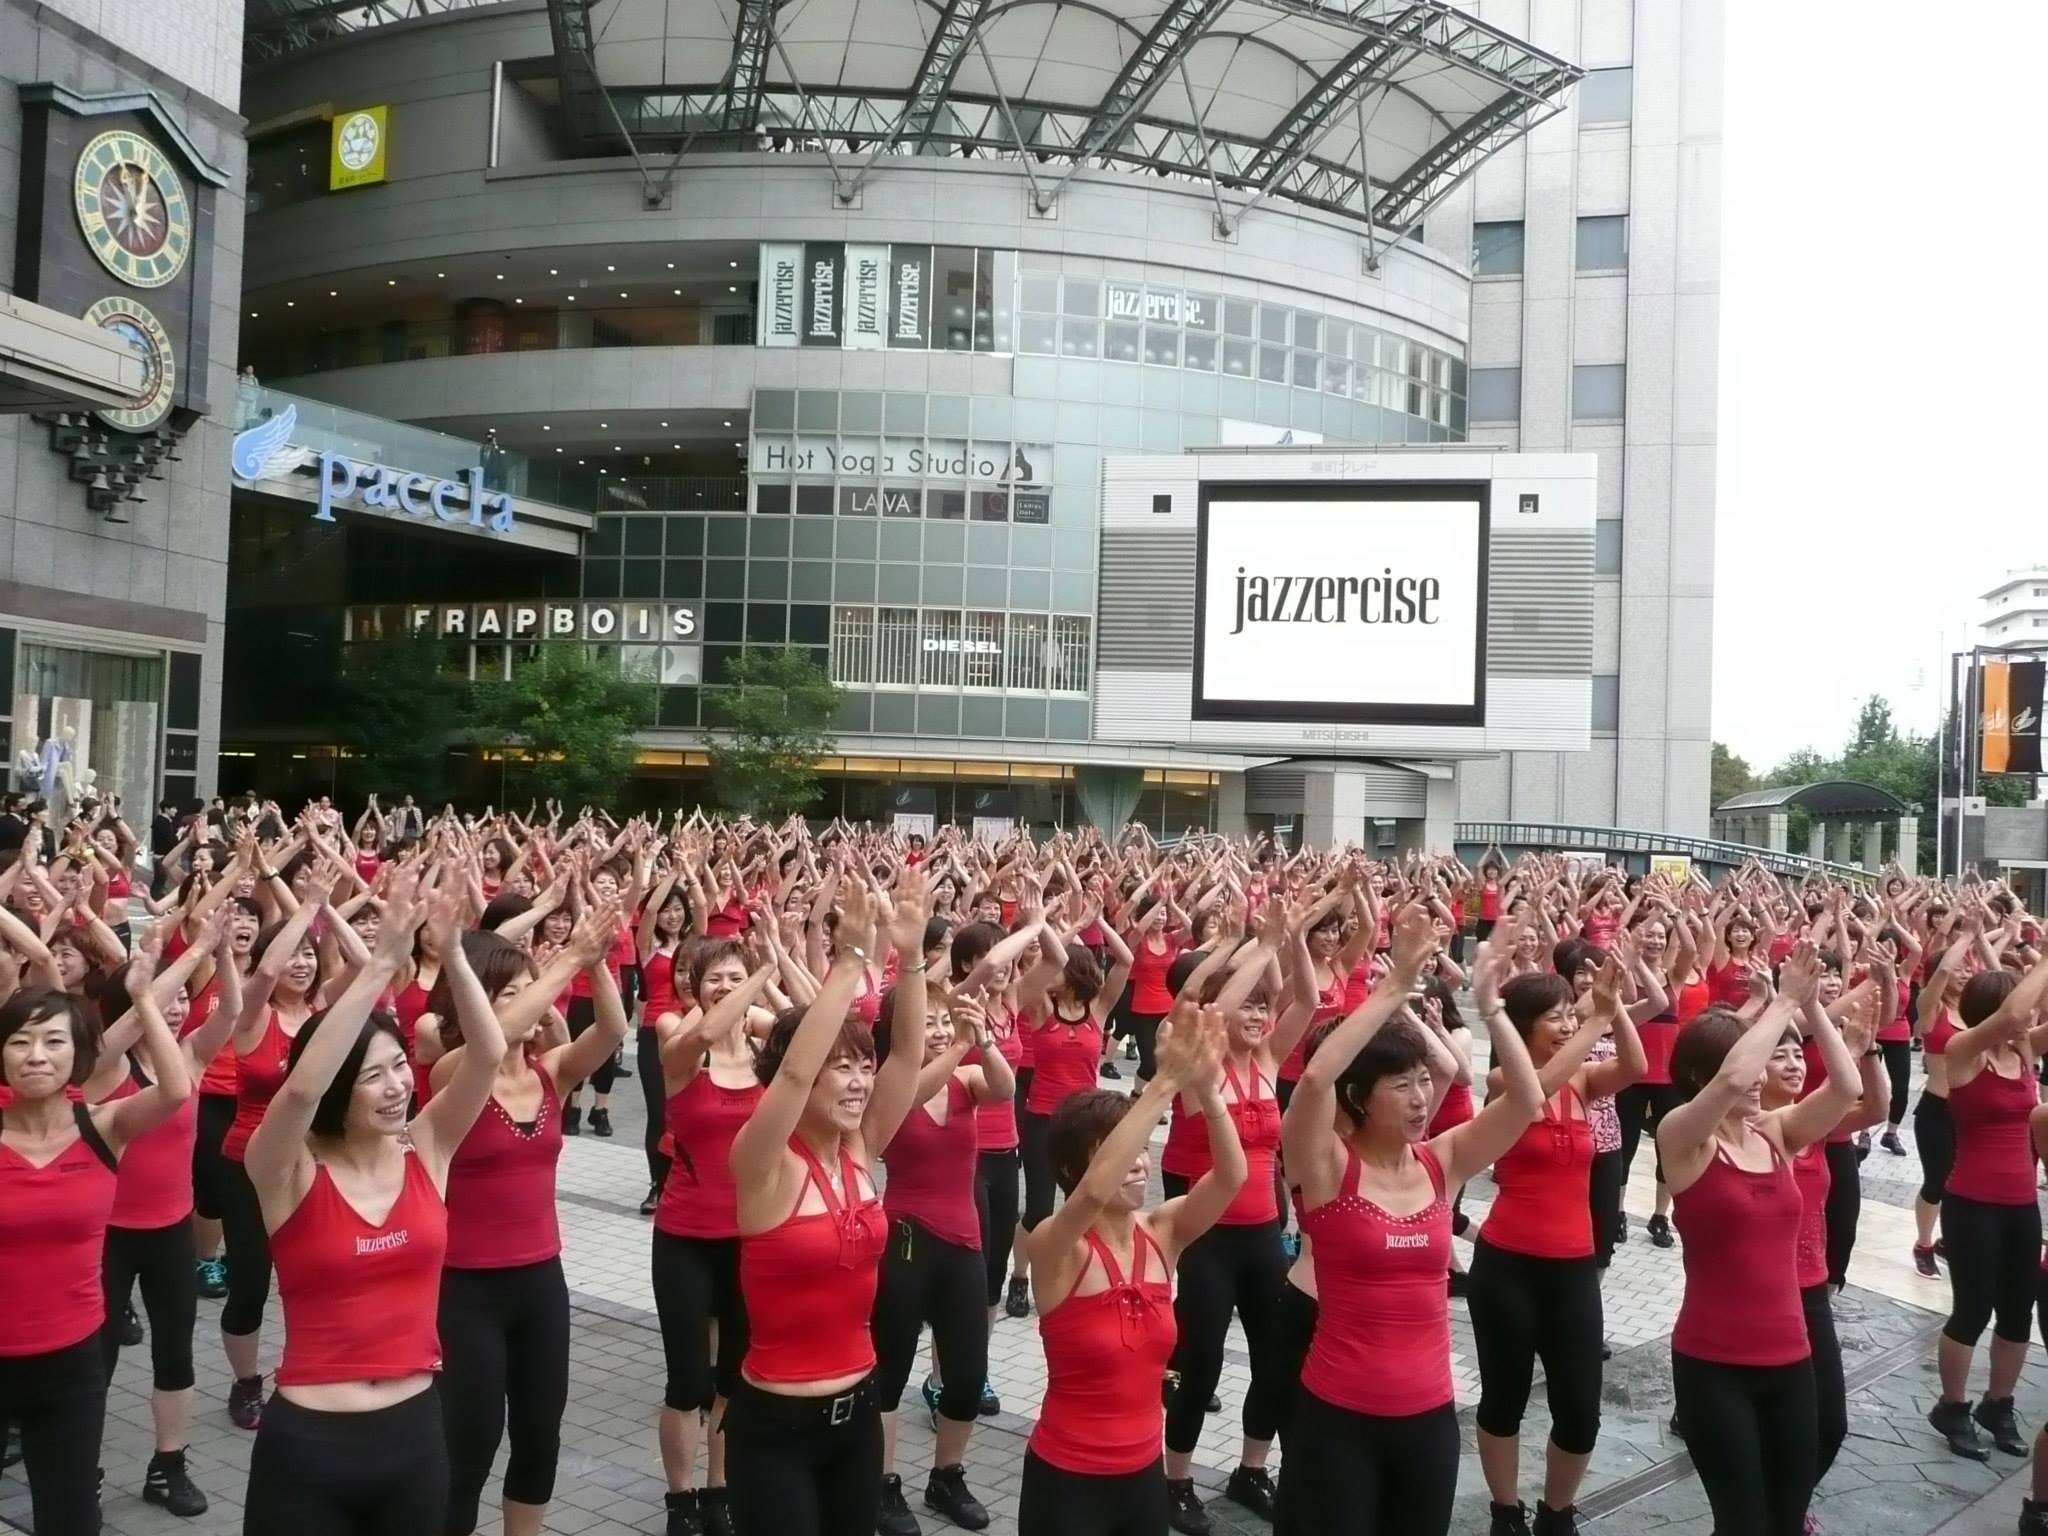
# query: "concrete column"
1436 830
1816 839
1333 808
1873 846
1845 842
1909 845
1230 814
1777 831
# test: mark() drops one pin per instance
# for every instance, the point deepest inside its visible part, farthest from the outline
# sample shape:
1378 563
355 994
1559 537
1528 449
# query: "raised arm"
263 980
896 1079
1179 1222
1518 1097
121 1121
439 1128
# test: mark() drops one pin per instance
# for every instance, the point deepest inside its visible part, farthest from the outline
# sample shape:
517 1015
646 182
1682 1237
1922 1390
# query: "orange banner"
1995 683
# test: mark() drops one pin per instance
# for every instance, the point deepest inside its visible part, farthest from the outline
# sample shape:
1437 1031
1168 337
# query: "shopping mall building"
874 327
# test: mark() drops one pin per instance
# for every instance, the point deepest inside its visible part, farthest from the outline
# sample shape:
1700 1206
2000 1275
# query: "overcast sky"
1882 393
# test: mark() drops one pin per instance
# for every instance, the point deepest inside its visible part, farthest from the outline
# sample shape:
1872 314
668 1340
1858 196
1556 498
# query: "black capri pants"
926 1279
1642 1107
995 1201
583 1014
1751 1432
1934 1139
1144 1028
1994 1254
1227 1269
383 1473
1831 1390
505 1365
1293 1333
1052 1502
165 1261
647 1062
804 1466
211 1171
1526 1309
1033 1128
248 1245
696 1284
59 1401
1358 1474
1898 1066
1844 1207
1603 1196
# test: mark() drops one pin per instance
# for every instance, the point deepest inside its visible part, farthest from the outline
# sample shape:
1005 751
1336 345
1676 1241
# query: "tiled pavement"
1893 1476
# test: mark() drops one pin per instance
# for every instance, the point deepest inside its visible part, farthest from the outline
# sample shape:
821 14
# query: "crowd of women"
873 1066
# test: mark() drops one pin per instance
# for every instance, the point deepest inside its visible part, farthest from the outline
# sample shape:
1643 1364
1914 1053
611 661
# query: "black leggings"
1051 1502
383 1473
1994 1253
1038 1182
1642 1107
59 1401
995 1201
1525 1309
926 1279
647 1060
696 1284
1830 1390
505 1364
1934 1139
1844 1208
1226 1269
211 1171
583 1014
1144 1028
1751 1432
248 1245
1294 1331
1898 1065
163 1259
1357 1474
1603 1196
791 1470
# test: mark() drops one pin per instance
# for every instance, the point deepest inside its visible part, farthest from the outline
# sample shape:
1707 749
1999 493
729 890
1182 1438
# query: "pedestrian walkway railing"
1516 837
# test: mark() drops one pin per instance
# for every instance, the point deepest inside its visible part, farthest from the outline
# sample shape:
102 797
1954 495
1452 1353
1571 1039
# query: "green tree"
1874 728
777 717
573 712
403 708
1728 776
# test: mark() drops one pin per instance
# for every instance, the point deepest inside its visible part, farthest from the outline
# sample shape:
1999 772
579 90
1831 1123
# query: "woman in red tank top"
1667 949
1934 1135
1372 1448
1741 1363
1102 1269
803 1435
352 1196
1990 1213
664 924
212 1173
504 1304
1153 946
1535 1288
59 1165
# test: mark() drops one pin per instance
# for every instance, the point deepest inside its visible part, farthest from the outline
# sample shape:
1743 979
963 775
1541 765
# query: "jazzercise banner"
2010 721
1362 602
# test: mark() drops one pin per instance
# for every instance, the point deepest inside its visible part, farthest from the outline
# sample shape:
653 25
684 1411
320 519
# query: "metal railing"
1703 850
513 330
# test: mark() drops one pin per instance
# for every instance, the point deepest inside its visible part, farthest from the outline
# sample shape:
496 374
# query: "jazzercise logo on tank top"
1407 1239
384 1242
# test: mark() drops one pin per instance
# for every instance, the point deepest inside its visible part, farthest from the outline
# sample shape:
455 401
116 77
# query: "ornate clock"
132 209
130 320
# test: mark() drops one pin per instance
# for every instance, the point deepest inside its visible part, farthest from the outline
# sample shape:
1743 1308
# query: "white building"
2016 610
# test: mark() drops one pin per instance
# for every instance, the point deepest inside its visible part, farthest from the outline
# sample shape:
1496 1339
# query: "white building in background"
2015 611
1596 250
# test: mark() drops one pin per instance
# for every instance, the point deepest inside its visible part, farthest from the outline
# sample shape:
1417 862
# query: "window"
1497 249
1603 243
1606 701
2041 591
1607 547
1605 95
1496 394
1599 391
1069 655
853 645
1026 650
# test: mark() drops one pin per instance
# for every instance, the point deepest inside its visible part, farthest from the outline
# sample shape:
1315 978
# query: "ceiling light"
665 423
671 266
579 461
611 269
675 445
498 275
677 291
572 298
390 282
622 293
291 303
547 428
333 293
617 449
254 314
440 274
603 426
558 450
554 272
732 264
732 287
519 301
738 445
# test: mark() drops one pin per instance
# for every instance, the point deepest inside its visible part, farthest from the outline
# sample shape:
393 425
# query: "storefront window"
946 648
86 724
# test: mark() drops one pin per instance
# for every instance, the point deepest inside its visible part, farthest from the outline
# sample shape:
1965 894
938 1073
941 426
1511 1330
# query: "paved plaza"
1894 1476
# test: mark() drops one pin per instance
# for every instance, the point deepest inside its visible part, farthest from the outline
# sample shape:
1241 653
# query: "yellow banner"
1676 867
1996 717
356 154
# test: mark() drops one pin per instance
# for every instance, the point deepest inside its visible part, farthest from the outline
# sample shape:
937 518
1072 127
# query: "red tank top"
155 1184
1330 1004
1817 1079
1939 1033
1741 1251
1148 975
219 1076
1899 1027
658 977
995 1123
809 1282
1454 1109
931 1170
407 1008
1994 1152
1065 1057
1811 1172
1728 985
699 1197
501 1188
1382 1341
53 1227
1105 1355
1692 1000
361 1298
1257 1115
1489 903
1658 1035
1541 1206
258 1076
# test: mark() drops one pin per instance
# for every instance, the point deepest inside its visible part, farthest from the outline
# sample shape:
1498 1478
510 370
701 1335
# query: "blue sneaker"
991 1405
930 1393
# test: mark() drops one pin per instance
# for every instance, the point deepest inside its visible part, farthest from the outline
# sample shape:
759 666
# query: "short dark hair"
503 907
1527 998
38 1005
708 954
269 936
1082 975
1185 964
330 1115
855 1039
1394 1049
1702 1046
1079 1127
494 959
1568 956
1983 995
970 944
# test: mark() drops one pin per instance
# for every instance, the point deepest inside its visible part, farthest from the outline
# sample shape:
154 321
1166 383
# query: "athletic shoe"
2033 1517
572 1121
1184 1510
1555 1522
991 1405
1941 1247
1996 1415
1953 1420
893 1516
600 1121
213 1279
167 1483
1252 1488
245 1401
685 1514
1862 1145
1891 1143
131 1328
1130 1050
647 1206
1017 1303
717 1513
930 1393
1923 1260
1509 1520
1215 1403
1660 1232
946 1493
1109 1070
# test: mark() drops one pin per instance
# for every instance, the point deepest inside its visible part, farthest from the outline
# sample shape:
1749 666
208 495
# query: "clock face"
133 323
132 209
